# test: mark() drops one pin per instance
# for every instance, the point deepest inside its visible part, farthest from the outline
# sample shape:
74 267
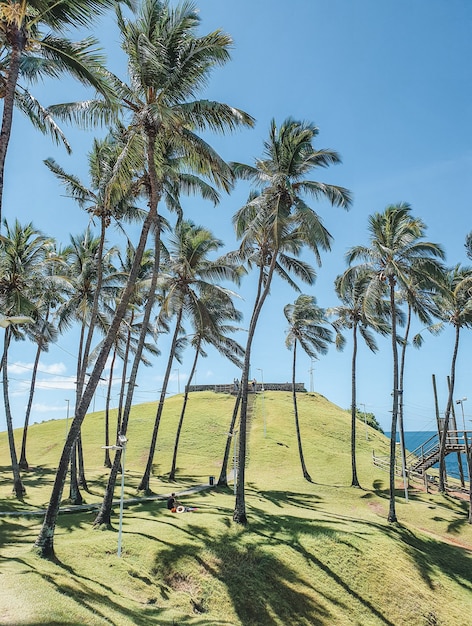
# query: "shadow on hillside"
263 588
429 555
284 498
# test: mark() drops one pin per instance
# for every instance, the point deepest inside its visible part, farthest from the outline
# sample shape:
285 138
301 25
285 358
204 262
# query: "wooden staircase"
427 454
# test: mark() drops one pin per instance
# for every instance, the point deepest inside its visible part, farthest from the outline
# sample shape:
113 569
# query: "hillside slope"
313 553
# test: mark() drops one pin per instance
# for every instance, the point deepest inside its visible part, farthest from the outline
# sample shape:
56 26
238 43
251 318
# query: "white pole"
235 472
67 418
263 403
365 423
122 439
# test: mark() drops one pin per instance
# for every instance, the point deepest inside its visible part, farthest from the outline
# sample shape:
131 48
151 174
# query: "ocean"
414 439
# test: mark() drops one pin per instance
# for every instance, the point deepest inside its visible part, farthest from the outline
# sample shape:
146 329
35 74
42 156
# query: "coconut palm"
274 226
188 281
397 252
212 328
31 34
455 308
307 328
168 62
22 254
351 315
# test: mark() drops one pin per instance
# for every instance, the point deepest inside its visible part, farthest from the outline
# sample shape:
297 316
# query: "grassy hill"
313 553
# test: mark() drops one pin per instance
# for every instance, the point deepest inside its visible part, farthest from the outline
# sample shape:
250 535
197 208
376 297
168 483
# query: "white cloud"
20 367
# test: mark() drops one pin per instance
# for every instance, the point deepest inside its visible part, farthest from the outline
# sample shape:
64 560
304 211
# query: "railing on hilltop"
252 388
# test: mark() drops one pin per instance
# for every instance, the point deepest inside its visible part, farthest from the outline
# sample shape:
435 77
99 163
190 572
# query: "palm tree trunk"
18 488
104 514
442 447
355 480
124 375
239 514
45 540
75 496
392 517
401 427
23 461
306 475
223 479
182 413
17 39
107 460
144 484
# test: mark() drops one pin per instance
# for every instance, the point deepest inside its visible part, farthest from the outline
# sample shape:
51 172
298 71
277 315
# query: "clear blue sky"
389 84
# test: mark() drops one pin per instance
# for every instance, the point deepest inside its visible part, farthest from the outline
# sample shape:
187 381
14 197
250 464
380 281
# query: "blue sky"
389 84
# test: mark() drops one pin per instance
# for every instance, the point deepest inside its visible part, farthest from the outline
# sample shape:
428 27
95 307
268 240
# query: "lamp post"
263 403
67 418
122 440
310 371
461 402
178 379
365 423
234 435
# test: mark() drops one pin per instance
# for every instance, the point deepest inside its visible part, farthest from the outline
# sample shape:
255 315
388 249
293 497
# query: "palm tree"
307 328
33 54
274 226
188 281
212 328
22 254
397 252
351 315
163 111
455 308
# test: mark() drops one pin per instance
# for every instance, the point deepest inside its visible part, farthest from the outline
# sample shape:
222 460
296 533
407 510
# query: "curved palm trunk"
45 540
80 457
239 514
442 447
18 487
182 413
75 496
306 475
144 484
223 478
124 375
392 516
23 461
17 39
107 460
401 427
355 480
104 514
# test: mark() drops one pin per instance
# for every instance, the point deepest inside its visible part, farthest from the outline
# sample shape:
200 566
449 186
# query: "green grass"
313 553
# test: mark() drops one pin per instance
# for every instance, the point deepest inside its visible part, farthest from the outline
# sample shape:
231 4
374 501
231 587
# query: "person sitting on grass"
172 503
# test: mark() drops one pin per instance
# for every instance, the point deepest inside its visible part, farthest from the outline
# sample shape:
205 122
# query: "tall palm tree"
212 328
22 254
307 328
397 252
31 35
455 308
188 281
351 315
274 226
168 62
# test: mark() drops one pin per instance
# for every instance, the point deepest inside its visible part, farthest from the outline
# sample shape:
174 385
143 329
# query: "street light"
234 434
122 440
263 404
178 379
365 422
461 402
67 417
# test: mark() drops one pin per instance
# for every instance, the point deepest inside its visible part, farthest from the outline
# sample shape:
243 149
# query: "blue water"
413 439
